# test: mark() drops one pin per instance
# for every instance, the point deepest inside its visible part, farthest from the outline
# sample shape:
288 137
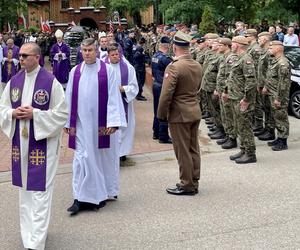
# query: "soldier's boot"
268 135
205 115
213 128
210 133
218 135
237 155
257 128
273 143
231 143
281 145
209 121
222 141
259 132
246 158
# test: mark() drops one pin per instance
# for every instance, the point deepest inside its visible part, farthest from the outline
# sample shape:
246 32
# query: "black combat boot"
267 136
280 145
209 121
212 129
246 158
230 143
205 115
221 141
210 133
272 143
237 155
257 128
218 135
259 132
211 126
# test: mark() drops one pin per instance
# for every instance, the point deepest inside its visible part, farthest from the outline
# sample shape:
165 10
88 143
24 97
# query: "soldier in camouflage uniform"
225 62
200 51
242 85
278 88
208 85
263 102
209 38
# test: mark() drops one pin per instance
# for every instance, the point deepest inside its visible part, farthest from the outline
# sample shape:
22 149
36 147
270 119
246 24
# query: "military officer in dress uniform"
179 104
160 61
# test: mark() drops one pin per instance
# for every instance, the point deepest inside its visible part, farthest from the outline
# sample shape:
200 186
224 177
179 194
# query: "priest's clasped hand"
23 113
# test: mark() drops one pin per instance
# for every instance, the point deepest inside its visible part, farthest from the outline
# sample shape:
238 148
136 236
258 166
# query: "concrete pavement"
254 206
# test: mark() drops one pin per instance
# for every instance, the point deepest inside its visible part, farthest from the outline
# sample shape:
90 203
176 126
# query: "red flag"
111 27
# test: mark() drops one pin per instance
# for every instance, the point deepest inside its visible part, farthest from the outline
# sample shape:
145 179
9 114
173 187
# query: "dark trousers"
160 129
186 147
141 77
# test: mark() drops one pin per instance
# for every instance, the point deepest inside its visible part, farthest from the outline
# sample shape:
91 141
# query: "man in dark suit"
179 104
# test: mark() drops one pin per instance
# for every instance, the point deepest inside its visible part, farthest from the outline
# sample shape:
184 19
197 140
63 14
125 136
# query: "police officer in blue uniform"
160 61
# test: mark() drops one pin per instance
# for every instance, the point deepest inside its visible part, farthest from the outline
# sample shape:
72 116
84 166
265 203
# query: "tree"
207 24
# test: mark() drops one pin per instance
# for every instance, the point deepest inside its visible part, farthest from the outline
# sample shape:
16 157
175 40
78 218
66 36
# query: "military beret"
251 32
201 40
181 39
165 39
241 40
211 36
196 36
265 33
279 43
225 41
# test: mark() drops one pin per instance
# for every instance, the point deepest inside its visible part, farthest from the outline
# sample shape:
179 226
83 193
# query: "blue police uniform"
139 63
128 49
159 63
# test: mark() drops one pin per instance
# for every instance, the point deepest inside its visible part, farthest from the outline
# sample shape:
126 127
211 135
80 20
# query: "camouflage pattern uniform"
242 85
227 108
278 85
200 55
265 104
208 85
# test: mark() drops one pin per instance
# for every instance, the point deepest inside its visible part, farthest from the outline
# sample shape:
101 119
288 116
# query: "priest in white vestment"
126 77
35 125
95 167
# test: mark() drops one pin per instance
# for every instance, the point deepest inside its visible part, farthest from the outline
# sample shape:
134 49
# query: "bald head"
34 48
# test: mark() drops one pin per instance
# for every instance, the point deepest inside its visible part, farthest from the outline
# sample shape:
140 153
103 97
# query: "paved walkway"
143 139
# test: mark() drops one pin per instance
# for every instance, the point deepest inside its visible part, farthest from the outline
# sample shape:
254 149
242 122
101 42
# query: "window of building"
65 4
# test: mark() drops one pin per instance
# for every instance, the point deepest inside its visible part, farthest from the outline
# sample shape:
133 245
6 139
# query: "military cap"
165 39
201 40
279 43
265 33
211 36
196 36
251 32
181 39
225 41
241 40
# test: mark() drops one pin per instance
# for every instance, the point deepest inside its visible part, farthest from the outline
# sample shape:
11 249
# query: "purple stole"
124 81
103 140
37 150
14 69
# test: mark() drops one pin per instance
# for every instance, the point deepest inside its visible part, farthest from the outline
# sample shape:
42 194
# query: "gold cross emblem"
37 157
15 154
102 130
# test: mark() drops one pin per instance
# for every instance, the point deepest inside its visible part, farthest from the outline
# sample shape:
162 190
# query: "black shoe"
75 208
100 205
123 158
280 145
259 132
257 128
154 137
230 143
210 133
168 141
246 158
213 128
237 155
218 135
272 143
222 141
141 98
267 136
205 115
179 186
209 121
180 191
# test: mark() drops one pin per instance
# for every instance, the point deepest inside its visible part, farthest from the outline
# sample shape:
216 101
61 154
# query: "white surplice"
131 90
95 171
35 206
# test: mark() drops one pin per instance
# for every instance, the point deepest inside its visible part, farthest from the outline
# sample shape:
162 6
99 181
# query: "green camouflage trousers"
281 118
228 119
262 112
244 127
214 108
203 101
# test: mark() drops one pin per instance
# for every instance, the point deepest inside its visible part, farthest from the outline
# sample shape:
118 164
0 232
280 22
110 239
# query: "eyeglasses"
26 55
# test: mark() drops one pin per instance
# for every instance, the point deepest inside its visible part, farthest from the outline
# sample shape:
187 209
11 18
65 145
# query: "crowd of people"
239 85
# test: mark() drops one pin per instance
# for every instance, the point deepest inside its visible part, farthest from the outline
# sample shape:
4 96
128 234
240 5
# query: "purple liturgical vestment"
14 68
60 57
37 156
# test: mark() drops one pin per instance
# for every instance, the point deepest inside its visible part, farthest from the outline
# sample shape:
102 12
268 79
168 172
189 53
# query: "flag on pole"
22 20
73 23
119 23
8 27
45 26
111 27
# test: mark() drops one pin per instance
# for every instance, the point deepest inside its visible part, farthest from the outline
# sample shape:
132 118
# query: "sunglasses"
26 55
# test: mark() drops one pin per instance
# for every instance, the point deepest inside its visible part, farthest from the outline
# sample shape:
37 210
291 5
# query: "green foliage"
132 6
207 24
33 29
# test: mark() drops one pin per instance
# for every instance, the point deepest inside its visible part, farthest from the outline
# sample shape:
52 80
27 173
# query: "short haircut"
35 48
112 47
88 42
